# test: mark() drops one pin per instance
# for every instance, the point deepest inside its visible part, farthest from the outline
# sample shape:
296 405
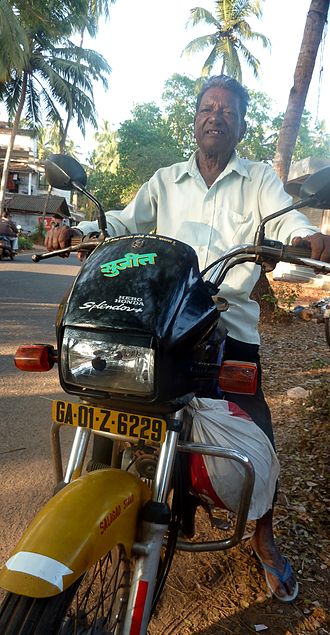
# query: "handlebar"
76 244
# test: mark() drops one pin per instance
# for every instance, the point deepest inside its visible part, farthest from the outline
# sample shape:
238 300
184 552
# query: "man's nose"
217 114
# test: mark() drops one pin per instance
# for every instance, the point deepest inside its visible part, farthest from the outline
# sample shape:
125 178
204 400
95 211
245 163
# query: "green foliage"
312 139
105 157
179 98
24 243
145 145
259 143
49 142
13 41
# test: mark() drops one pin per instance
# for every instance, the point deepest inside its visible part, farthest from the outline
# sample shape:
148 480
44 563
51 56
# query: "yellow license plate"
104 420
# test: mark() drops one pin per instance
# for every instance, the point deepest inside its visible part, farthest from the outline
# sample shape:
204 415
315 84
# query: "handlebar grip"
289 252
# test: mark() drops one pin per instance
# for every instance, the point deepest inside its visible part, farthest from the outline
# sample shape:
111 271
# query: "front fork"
154 522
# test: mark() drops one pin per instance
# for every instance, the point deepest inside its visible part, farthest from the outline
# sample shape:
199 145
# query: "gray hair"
229 83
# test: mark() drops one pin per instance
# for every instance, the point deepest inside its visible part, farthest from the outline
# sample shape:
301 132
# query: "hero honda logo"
114 267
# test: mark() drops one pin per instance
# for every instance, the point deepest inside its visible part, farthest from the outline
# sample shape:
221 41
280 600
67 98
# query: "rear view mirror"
64 172
317 186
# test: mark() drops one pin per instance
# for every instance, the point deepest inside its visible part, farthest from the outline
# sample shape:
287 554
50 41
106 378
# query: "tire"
96 603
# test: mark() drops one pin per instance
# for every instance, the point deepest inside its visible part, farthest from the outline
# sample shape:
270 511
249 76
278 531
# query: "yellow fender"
78 526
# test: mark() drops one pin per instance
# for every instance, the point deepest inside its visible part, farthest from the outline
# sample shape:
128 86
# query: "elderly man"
213 201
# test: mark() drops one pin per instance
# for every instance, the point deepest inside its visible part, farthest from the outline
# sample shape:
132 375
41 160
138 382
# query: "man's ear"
243 130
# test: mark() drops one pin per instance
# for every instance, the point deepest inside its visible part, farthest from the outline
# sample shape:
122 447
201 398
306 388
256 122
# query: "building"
27 196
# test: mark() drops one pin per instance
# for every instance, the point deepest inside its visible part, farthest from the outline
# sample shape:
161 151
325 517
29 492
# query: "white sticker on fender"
39 566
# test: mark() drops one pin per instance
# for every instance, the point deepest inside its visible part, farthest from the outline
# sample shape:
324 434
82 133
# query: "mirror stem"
102 218
260 233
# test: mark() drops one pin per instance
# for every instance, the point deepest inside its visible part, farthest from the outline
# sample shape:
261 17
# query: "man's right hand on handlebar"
60 237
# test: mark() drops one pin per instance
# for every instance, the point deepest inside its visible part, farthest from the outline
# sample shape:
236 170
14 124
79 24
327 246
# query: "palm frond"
198 15
14 43
209 62
252 61
199 44
32 104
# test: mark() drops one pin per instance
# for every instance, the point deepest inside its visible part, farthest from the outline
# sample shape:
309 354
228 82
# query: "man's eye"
206 109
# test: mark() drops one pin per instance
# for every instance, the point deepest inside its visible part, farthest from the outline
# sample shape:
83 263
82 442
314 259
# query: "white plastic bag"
217 422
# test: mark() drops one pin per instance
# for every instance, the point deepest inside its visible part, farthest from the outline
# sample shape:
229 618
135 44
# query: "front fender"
78 526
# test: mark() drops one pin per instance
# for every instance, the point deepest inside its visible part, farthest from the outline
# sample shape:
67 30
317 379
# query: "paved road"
30 294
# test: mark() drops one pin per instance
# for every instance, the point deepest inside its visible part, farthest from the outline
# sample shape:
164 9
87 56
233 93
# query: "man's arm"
293 227
139 217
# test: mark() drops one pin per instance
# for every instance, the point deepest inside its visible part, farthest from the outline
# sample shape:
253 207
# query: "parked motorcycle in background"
139 345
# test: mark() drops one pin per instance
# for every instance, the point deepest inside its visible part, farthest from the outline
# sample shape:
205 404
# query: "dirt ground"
221 593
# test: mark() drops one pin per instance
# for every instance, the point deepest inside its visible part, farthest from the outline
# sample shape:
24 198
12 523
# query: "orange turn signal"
35 357
238 377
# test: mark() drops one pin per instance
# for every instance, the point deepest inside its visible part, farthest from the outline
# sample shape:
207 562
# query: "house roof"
36 204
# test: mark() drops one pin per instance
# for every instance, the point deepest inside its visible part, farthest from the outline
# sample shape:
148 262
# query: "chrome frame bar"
243 510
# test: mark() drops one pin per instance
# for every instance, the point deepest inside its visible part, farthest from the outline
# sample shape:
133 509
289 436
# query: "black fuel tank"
141 283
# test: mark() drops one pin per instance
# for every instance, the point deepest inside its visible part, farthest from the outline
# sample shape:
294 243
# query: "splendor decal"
121 305
114 267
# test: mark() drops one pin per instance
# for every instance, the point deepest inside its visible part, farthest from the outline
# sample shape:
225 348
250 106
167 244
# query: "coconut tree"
231 31
315 23
57 76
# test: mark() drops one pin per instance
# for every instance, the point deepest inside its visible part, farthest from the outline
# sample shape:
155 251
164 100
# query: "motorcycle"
6 250
138 338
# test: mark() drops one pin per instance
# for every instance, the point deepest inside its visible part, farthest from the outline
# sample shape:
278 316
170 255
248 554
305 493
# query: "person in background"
9 229
214 201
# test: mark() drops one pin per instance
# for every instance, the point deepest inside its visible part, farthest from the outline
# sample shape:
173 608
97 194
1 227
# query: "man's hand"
60 237
319 244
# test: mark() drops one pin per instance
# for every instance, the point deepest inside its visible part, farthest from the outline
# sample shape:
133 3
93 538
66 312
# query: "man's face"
219 125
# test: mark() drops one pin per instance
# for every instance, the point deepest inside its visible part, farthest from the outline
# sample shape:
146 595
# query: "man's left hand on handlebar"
319 244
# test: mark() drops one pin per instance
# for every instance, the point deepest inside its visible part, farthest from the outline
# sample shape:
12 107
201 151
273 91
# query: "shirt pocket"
241 226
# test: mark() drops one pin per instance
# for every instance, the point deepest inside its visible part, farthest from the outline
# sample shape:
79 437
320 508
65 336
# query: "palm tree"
227 40
13 41
105 157
56 75
315 23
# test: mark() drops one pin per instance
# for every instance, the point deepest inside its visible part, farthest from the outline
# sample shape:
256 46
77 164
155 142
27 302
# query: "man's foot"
278 572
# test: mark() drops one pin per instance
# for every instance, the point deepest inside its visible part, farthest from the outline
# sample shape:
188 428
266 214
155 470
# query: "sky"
144 39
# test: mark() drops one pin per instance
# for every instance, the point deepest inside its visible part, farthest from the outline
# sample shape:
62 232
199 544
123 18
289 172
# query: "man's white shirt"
176 202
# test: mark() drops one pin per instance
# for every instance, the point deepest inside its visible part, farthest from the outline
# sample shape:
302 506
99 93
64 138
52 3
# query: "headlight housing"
100 361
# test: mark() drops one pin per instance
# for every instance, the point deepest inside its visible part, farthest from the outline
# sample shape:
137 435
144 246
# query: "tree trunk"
6 163
263 293
315 22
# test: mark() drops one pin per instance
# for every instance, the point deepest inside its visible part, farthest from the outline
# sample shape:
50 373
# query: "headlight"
98 360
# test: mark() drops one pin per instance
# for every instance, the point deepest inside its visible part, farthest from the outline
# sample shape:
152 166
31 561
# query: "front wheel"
96 603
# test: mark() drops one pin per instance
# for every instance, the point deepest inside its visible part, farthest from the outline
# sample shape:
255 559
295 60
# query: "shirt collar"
235 164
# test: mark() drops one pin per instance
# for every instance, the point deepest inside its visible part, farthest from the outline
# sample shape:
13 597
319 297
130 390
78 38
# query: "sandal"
282 577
